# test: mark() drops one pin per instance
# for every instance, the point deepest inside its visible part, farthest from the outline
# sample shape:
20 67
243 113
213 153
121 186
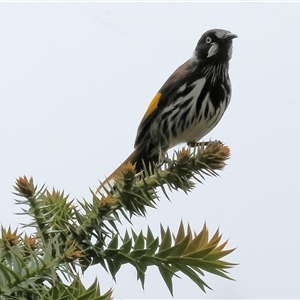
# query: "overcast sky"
75 81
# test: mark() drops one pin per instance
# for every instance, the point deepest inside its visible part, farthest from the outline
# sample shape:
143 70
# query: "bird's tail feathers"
109 181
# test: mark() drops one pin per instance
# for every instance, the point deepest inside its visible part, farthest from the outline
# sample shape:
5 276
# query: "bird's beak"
229 36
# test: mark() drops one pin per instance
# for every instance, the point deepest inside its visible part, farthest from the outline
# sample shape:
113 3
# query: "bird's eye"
208 40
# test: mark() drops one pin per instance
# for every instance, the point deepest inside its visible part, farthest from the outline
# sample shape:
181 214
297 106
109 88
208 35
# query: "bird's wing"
162 99
152 106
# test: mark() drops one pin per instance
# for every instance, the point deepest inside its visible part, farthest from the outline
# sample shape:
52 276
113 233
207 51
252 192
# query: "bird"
188 105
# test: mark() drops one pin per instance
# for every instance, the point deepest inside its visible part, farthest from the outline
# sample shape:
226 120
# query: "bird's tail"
137 157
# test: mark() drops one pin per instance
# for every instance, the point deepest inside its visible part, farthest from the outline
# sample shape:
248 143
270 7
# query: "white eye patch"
230 52
212 50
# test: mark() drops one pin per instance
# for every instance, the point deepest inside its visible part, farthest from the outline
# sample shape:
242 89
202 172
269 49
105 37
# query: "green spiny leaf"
180 234
111 267
126 247
139 242
217 253
152 247
150 237
167 275
215 239
200 253
215 267
137 254
113 243
181 246
134 235
194 276
166 240
198 242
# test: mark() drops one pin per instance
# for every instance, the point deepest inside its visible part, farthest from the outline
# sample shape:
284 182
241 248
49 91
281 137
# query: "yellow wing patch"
152 106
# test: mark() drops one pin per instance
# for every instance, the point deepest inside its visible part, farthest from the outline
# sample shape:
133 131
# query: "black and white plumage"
190 103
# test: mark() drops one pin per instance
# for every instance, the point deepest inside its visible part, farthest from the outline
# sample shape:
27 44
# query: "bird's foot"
203 143
163 158
197 144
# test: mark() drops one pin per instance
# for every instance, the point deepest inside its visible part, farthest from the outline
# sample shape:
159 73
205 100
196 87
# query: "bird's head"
215 44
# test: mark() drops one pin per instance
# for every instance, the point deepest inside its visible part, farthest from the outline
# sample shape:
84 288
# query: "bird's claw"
164 160
197 144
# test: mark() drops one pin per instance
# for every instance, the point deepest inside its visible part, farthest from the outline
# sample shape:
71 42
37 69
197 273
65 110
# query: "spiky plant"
69 237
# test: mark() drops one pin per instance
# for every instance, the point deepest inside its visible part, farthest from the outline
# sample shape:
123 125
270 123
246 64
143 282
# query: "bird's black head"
216 45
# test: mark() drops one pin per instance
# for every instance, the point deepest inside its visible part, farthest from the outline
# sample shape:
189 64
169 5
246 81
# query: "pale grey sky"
75 80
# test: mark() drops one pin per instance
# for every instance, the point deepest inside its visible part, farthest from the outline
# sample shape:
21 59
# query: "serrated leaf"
181 246
126 237
117 263
152 247
136 254
216 267
162 230
139 268
134 235
218 272
194 276
167 277
198 270
113 243
166 240
201 253
189 230
164 191
215 240
150 237
111 267
5 275
126 247
180 234
216 236
184 261
98 260
217 255
198 241
139 242
141 273
111 252
221 247
167 252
